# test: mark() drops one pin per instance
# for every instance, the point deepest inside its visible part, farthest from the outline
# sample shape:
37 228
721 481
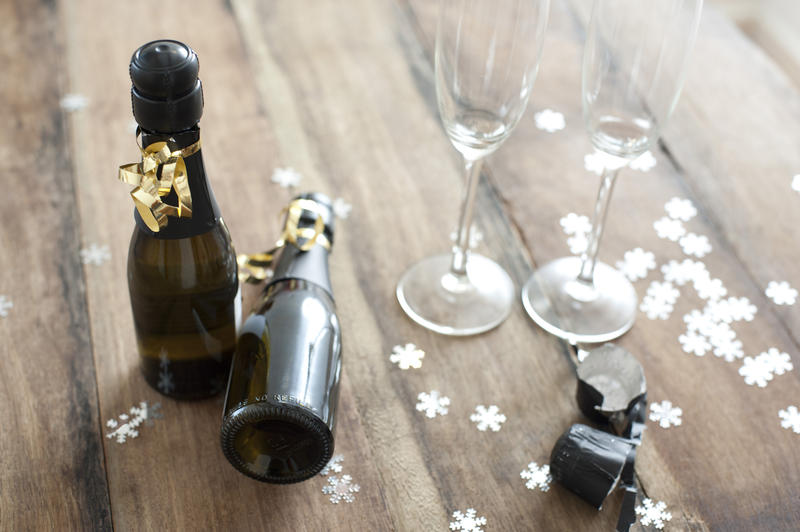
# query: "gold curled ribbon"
160 171
255 267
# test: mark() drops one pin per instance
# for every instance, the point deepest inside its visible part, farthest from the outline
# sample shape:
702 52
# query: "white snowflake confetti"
796 183
718 310
578 243
651 513
549 120
663 291
126 427
756 371
341 208
286 177
488 418
74 102
341 489
645 162
729 349
574 224
334 465
777 362
790 418
636 263
712 289
740 309
680 209
432 403
475 236
5 305
694 244
165 381
781 293
694 343
598 161
537 477
668 228
665 414
681 273
656 309
467 522
701 322
95 254
407 356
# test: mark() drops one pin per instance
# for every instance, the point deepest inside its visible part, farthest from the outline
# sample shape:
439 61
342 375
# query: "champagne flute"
634 64
487 57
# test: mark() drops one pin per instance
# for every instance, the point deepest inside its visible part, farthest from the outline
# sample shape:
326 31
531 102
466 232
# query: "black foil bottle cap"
167 96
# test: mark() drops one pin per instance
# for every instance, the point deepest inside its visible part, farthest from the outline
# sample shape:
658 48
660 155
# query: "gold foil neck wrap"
160 171
255 267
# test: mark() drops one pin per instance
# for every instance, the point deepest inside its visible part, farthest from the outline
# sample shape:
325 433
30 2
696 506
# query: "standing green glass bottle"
182 272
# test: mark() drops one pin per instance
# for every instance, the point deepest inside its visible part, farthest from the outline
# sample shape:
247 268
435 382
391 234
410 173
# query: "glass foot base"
575 311
456 305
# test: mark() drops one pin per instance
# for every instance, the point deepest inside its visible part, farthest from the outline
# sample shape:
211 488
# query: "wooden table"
343 92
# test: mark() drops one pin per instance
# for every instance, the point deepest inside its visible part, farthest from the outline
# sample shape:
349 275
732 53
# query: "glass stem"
458 266
589 257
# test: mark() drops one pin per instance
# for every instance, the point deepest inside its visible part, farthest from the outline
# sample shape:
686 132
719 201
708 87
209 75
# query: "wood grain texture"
51 431
344 93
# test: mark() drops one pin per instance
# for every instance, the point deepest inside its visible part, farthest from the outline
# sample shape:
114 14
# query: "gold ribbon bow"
255 268
160 171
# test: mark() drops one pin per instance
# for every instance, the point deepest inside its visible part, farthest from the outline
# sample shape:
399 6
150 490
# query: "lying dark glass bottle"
280 410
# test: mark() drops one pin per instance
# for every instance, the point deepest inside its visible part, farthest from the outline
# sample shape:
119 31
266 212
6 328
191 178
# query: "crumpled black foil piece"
591 462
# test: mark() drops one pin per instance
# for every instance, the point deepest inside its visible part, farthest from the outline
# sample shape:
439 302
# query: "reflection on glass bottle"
182 272
279 415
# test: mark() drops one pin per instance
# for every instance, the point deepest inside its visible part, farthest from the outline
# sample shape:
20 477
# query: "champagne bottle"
182 271
280 409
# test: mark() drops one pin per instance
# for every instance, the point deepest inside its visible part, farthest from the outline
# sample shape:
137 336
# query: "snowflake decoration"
681 273
719 310
665 414
488 418
655 514
645 162
697 245
407 356
781 293
740 309
333 465
537 477
694 343
756 371
341 489
74 102
341 208
5 305
712 289
796 183
729 349
286 177
574 224
699 321
669 228
636 263
549 120
578 243
125 426
165 381
475 236
598 161
790 418
432 403
680 209
467 522
777 362
656 309
95 254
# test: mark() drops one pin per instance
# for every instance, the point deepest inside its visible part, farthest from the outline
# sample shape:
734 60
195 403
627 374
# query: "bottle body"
186 307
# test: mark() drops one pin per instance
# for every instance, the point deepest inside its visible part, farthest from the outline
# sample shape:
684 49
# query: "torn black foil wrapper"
591 462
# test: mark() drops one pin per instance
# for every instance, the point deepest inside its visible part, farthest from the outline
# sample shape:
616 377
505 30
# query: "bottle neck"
205 211
311 266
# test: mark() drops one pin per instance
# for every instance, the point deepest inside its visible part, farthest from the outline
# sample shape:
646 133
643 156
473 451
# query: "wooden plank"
173 475
706 467
51 431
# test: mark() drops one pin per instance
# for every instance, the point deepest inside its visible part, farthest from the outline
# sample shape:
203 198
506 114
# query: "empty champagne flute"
487 57
634 64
